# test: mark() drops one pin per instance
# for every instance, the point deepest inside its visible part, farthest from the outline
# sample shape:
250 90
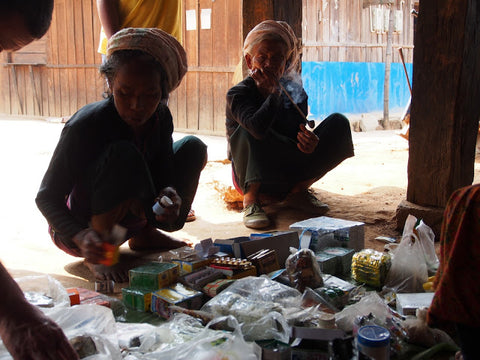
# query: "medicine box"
232 245
178 295
187 266
153 276
408 303
325 232
137 299
327 262
343 257
280 241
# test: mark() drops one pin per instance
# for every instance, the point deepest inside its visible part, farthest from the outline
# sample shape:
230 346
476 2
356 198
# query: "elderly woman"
274 155
116 158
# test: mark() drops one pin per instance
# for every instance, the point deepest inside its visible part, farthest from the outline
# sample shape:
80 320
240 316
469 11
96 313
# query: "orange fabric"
457 284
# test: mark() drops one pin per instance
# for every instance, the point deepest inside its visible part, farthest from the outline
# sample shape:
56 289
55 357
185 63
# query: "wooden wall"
198 105
54 77
340 30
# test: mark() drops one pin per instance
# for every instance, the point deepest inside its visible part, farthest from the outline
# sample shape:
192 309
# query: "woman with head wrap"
116 158
274 156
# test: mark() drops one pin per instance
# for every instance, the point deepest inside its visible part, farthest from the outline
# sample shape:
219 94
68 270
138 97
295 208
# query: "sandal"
254 217
191 216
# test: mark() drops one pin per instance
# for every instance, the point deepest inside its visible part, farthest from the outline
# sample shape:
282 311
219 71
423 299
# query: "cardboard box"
153 276
92 297
407 304
325 232
231 246
327 262
198 279
177 295
343 257
137 299
273 350
238 274
265 261
74 296
188 266
216 287
279 241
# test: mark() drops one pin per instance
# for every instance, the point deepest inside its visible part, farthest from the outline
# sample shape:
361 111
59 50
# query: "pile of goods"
313 292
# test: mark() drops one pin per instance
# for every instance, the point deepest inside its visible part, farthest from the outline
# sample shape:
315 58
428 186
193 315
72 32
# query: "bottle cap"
373 336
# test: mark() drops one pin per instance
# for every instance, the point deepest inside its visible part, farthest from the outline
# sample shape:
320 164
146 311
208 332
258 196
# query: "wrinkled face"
136 92
14 33
269 56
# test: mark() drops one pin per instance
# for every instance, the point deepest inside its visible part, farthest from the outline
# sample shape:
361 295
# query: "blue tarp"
349 87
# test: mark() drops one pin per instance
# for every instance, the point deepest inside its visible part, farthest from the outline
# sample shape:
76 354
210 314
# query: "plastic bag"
210 344
257 301
303 269
47 286
409 270
427 240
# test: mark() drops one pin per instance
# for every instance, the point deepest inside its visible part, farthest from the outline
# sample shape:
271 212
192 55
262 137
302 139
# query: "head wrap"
163 47
275 30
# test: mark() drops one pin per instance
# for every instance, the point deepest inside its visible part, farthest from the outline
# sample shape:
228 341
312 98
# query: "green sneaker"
306 201
254 217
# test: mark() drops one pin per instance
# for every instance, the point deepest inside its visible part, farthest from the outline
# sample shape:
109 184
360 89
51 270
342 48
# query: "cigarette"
310 123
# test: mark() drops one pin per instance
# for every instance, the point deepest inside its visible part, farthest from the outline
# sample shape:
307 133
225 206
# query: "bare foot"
153 239
117 272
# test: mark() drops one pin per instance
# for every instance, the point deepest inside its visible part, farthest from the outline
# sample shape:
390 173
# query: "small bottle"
160 205
374 341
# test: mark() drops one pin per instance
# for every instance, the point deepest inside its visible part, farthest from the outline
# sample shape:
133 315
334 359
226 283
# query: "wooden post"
388 60
445 108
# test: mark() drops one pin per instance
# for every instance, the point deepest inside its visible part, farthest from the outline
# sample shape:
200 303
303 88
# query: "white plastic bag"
427 239
409 269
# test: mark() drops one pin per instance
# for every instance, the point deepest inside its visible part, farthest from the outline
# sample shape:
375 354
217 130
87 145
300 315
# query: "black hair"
110 67
37 14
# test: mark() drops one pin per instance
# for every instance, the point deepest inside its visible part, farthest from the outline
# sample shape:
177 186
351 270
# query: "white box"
407 304
325 232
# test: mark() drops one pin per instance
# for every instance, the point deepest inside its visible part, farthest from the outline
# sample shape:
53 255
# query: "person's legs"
190 157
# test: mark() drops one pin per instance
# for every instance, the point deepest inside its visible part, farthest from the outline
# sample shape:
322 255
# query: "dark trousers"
278 164
121 174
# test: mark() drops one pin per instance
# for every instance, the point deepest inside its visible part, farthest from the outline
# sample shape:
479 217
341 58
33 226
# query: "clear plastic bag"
303 269
210 344
257 301
47 286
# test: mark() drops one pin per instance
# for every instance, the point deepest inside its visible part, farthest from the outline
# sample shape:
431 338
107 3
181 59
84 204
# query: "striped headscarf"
163 47
275 30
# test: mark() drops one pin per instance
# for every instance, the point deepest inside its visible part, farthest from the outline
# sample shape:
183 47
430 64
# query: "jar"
374 341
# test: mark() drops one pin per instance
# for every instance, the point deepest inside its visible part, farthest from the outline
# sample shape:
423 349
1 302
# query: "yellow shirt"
161 14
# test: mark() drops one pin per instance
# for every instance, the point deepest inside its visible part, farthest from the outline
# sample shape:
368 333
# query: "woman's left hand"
307 140
170 213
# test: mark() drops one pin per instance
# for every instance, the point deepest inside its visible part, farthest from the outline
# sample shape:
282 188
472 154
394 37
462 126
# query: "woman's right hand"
90 245
266 82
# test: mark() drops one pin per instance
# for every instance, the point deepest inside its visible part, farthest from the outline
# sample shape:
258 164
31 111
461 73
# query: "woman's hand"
170 212
31 335
267 82
90 244
307 140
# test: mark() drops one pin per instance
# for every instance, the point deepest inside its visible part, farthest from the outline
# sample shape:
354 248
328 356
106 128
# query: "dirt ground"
366 188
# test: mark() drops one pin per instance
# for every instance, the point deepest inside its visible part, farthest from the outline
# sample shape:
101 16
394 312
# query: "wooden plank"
80 48
70 84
